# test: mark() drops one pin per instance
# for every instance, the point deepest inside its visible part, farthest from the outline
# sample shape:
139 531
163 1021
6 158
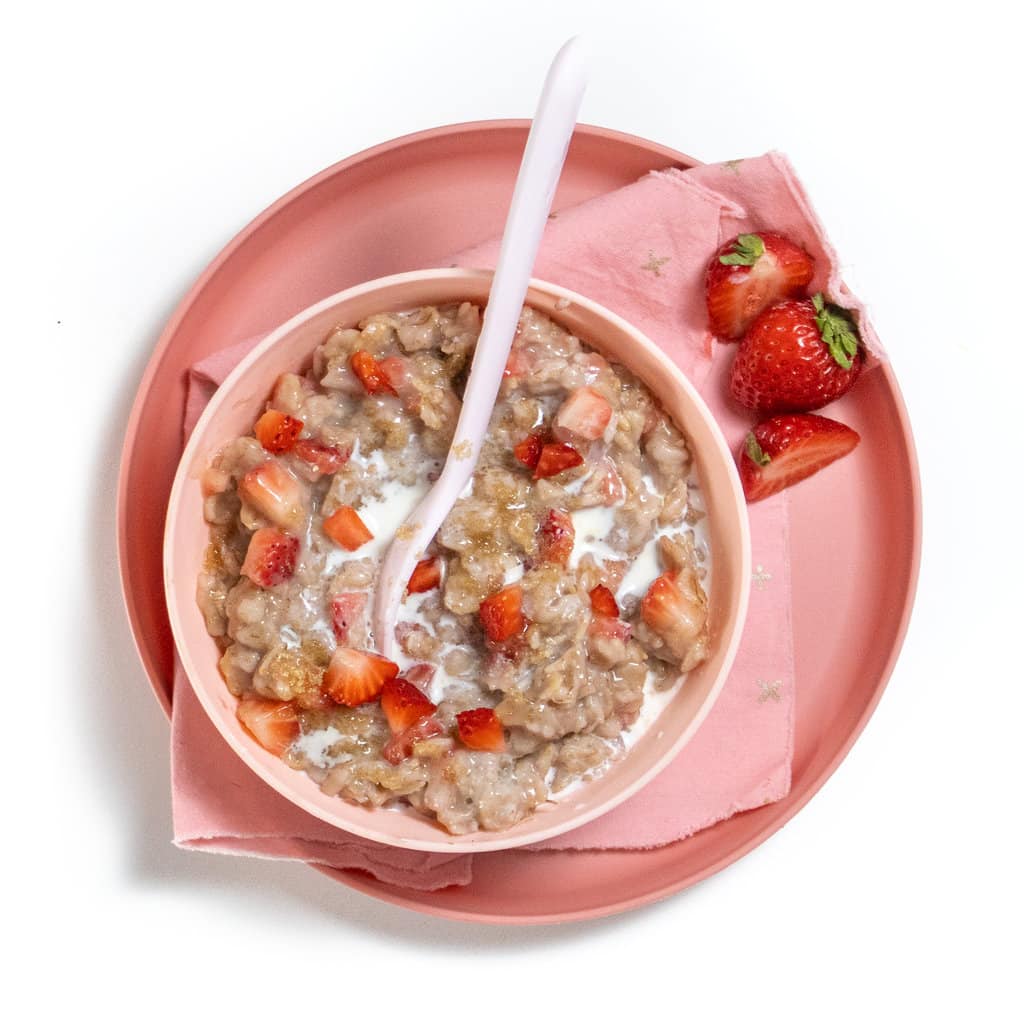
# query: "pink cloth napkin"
641 251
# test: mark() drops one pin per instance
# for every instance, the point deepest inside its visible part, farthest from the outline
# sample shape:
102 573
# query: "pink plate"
404 205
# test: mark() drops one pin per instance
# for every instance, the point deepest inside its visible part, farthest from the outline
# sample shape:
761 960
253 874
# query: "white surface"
139 140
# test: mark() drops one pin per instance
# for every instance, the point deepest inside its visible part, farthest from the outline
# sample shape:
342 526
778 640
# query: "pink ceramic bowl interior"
289 348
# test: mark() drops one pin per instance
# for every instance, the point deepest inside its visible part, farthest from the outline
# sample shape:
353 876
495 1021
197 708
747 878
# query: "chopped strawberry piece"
602 602
664 605
400 746
276 494
501 614
347 610
556 458
396 372
346 529
324 458
557 535
420 675
518 363
612 628
370 374
354 677
784 450
528 450
750 273
277 431
270 558
425 576
403 704
274 724
481 729
585 413
612 489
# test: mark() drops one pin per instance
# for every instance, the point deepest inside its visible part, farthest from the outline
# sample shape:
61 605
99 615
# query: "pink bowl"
240 400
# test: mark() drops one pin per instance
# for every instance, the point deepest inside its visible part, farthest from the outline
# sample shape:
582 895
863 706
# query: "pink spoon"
538 177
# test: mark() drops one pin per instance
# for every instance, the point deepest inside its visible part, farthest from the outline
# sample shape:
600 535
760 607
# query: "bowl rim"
480 841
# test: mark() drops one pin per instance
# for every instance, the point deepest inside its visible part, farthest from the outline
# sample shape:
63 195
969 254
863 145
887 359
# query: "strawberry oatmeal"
545 625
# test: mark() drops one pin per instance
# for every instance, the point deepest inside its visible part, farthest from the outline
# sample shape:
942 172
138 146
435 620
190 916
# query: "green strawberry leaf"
838 332
746 251
755 452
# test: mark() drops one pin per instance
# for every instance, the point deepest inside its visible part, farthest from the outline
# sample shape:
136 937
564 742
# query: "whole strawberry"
750 273
797 356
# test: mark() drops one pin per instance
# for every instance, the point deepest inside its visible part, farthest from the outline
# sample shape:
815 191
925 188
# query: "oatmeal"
556 609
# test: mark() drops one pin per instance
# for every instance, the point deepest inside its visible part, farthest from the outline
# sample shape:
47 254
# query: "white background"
140 138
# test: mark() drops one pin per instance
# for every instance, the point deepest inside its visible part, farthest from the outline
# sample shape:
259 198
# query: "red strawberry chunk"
347 611
270 558
425 576
403 704
750 273
274 724
557 535
556 458
664 606
370 374
501 614
277 431
355 677
400 746
396 372
481 729
528 450
787 449
276 495
346 529
585 413
602 602
324 458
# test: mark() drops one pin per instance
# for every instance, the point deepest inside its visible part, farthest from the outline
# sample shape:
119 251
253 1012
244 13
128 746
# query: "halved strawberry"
528 450
556 458
276 494
399 747
501 614
786 449
748 274
347 610
481 729
370 374
270 558
585 413
557 535
277 431
797 356
425 576
403 704
346 529
274 724
324 458
602 602
354 677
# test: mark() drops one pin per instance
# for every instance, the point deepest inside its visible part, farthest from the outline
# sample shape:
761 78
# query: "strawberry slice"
270 558
347 609
528 450
481 729
274 724
399 747
556 458
355 677
557 535
585 413
425 576
602 602
750 273
403 704
276 494
277 431
787 449
324 458
346 529
370 374
501 614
